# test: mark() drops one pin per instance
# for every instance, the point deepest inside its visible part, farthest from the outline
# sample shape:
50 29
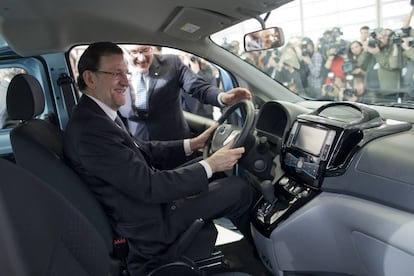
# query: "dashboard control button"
297 190
304 193
284 181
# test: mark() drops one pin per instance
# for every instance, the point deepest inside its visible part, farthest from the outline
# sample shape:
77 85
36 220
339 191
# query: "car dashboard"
296 149
300 156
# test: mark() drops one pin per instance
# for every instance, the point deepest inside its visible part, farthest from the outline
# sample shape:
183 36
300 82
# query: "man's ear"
90 79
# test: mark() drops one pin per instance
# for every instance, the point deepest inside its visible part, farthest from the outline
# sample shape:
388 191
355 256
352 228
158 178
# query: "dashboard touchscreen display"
310 139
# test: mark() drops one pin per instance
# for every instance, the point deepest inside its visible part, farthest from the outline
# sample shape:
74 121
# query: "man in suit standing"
149 206
153 105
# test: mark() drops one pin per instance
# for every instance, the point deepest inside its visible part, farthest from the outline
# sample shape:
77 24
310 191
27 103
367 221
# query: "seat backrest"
42 233
37 147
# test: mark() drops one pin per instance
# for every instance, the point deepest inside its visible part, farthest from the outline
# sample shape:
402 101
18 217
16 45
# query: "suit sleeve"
105 153
196 86
161 152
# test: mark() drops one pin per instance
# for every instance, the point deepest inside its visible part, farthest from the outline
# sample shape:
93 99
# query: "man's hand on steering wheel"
199 142
225 158
235 95
226 132
220 138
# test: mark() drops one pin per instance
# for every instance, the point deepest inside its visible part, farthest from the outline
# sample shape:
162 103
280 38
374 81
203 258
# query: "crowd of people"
377 66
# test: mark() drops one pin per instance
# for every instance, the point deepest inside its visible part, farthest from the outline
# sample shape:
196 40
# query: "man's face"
107 87
364 34
141 56
383 38
268 37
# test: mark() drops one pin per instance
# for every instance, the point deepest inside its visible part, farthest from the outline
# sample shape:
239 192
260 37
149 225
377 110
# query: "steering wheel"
224 133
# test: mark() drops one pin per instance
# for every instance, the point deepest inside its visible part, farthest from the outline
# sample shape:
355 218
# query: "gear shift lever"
267 190
267 207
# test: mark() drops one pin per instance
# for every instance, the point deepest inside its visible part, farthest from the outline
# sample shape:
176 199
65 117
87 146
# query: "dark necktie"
143 151
119 122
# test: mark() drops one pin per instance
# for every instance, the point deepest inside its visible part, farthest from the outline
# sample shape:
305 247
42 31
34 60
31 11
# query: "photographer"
290 73
338 89
356 65
313 61
407 36
335 58
387 52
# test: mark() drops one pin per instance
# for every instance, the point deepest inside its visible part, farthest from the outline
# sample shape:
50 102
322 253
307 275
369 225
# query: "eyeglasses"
117 74
144 51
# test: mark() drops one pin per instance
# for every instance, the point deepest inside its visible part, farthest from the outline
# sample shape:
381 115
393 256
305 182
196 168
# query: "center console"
319 144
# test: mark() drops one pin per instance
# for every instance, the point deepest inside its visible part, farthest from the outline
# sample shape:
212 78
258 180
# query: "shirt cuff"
207 168
219 100
187 147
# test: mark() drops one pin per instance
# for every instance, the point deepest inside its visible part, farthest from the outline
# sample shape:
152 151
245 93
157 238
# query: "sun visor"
192 24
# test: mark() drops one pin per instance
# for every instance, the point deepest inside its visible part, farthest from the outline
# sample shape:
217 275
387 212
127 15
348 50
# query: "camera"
373 41
348 67
276 56
349 92
339 49
398 36
305 51
328 89
405 32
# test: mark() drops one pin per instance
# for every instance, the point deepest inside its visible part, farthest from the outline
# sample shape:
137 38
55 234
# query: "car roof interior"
178 22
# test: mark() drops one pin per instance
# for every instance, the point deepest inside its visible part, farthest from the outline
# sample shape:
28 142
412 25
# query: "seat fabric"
49 235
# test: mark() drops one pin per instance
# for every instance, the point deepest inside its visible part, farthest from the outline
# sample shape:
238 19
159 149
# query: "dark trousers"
229 197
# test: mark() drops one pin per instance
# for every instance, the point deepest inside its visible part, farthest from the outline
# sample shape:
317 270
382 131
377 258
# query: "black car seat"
42 233
37 147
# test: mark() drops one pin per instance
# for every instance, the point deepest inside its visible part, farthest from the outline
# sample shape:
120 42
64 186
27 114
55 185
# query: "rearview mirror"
264 39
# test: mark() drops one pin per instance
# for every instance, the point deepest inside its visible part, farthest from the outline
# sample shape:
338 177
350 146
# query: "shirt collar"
108 111
135 72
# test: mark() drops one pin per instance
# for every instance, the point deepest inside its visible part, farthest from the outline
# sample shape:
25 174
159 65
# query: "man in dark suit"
149 206
165 76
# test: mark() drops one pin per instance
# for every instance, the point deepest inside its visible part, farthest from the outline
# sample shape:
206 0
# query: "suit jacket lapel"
133 143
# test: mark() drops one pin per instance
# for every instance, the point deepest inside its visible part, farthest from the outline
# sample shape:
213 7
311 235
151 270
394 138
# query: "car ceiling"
33 27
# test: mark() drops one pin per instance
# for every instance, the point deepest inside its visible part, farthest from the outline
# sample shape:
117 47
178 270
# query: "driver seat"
37 147
44 234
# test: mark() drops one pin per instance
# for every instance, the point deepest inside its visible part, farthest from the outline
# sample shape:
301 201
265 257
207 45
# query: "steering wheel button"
259 165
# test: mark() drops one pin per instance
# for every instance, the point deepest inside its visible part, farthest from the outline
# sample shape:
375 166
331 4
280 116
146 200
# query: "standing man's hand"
235 95
225 158
200 141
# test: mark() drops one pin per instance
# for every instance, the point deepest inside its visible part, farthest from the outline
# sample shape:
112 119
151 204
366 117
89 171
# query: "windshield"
353 50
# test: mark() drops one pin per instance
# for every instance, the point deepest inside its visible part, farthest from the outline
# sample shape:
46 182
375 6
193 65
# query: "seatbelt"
66 83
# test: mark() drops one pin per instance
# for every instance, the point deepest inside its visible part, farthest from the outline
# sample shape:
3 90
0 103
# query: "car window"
335 50
210 72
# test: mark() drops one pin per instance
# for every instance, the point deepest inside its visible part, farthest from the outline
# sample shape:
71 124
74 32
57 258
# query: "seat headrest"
25 98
